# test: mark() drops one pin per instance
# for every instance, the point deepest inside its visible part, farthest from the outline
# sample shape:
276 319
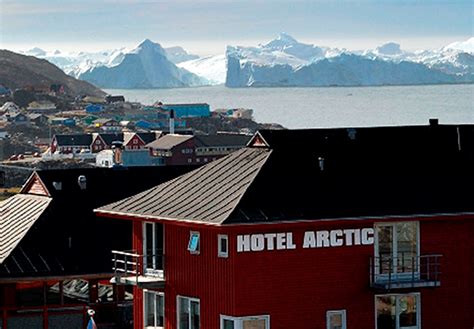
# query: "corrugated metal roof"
167 142
208 194
17 216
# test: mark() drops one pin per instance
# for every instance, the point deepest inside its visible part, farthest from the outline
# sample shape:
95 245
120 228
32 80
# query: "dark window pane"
228 324
183 313
385 308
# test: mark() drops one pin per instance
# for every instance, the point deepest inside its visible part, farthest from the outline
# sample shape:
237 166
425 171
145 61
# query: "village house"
55 253
96 142
18 119
361 228
43 106
110 99
107 125
183 110
38 119
177 149
9 108
235 113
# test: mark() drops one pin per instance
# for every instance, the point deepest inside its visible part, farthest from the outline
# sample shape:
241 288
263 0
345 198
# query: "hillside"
18 71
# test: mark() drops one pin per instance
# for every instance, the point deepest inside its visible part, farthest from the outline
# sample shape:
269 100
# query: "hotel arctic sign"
311 239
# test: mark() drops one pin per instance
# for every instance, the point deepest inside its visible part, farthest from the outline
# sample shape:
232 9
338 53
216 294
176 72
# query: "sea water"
330 106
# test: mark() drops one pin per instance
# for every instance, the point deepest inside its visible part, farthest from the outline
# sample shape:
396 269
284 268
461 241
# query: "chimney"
434 122
117 147
171 121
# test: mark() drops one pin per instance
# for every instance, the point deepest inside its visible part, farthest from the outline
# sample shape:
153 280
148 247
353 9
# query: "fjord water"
331 106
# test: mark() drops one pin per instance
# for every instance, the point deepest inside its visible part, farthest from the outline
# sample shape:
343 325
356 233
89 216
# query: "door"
153 248
396 250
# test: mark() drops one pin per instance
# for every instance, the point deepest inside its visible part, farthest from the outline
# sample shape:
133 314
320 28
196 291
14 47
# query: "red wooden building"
361 228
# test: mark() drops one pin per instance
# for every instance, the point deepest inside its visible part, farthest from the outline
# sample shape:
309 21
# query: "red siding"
297 287
452 304
35 186
204 276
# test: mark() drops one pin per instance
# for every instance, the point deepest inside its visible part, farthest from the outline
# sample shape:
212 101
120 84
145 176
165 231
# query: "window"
248 322
223 245
193 245
153 249
189 314
154 310
397 311
336 319
396 249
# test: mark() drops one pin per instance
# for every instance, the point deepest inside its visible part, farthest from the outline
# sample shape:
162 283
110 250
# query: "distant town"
39 124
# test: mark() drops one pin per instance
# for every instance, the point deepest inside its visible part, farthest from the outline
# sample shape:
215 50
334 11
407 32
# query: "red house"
361 228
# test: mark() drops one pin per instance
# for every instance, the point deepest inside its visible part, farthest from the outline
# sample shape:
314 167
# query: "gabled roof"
317 174
111 137
207 195
17 216
230 140
34 230
169 141
149 137
74 140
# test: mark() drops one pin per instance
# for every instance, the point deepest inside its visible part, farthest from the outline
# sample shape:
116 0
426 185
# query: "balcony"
143 271
387 273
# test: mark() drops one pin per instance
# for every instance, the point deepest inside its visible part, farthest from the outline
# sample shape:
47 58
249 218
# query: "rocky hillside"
18 71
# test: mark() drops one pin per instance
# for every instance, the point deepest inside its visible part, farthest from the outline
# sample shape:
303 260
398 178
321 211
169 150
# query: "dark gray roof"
74 140
222 140
17 216
374 172
208 194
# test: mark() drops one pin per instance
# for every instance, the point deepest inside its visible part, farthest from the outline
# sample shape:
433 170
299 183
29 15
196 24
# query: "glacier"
287 62
283 61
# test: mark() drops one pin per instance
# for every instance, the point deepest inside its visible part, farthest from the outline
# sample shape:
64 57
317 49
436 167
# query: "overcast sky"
206 27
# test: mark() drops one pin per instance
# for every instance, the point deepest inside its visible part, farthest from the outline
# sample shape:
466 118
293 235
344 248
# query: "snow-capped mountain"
286 62
146 66
277 62
76 63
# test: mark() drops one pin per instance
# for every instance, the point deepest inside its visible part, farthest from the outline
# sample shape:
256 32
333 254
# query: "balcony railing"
405 272
131 268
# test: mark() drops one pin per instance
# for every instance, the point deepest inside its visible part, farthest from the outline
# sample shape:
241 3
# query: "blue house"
192 110
94 108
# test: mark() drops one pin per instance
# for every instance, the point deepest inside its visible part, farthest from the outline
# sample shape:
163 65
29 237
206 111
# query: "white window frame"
220 239
397 315
238 321
383 276
178 309
344 318
145 291
151 270
198 250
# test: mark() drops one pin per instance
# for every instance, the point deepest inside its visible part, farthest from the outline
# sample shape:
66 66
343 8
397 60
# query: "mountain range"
19 71
283 61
